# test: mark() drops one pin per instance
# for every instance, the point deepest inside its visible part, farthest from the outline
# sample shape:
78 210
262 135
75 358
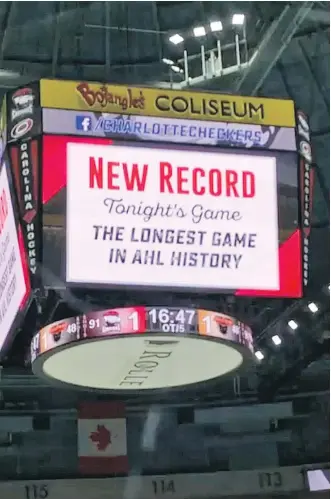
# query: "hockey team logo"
21 128
22 103
305 150
112 322
34 347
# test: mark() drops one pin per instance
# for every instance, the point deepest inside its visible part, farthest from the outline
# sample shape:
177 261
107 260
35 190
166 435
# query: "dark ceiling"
285 53
127 41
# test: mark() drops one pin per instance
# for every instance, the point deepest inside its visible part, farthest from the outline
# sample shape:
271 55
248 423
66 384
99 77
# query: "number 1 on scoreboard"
134 320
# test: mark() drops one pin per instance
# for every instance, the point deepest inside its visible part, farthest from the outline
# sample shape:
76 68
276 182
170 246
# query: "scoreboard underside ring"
134 349
141 362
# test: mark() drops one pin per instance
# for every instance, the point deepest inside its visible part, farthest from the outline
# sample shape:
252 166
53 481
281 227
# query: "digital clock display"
172 320
140 320
141 348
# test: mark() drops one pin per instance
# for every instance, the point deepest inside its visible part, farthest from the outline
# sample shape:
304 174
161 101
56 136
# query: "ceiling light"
199 31
238 19
176 39
276 339
177 69
313 307
293 325
168 61
259 355
216 26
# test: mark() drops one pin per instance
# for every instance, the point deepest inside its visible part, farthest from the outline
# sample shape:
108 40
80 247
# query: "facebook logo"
83 123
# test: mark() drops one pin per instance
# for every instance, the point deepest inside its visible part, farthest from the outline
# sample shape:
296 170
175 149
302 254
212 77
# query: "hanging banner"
306 187
147 128
24 159
3 126
102 438
14 275
101 97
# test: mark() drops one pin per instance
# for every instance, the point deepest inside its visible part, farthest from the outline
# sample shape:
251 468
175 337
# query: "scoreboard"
141 320
92 350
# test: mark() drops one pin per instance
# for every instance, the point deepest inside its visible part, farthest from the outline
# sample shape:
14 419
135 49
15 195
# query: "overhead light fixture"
259 355
199 31
216 26
238 19
176 69
313 307
176 39
276 340
168 61
293 325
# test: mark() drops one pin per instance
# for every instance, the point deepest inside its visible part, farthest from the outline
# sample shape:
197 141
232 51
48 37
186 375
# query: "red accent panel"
16 171
25 266
290 271
306 230
101 410
35 168
103 465
54 177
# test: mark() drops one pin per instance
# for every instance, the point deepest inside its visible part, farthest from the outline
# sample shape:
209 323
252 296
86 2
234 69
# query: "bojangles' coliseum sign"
166 103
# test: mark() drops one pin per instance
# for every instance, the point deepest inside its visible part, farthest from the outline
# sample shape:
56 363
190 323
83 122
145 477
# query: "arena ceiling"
129 41
284 51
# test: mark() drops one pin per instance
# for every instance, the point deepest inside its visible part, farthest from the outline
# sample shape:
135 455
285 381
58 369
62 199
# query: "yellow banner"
84 96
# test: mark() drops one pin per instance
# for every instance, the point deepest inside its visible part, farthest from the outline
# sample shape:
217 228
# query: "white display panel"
172 218
13 287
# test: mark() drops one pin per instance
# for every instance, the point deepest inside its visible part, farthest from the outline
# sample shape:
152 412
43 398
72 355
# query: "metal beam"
320 15
275 41
321 132
107 41
155 14
5 28
57 37
312 72
284 79
120 28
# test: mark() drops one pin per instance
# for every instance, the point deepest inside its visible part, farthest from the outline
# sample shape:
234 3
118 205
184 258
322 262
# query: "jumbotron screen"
14 274
184 218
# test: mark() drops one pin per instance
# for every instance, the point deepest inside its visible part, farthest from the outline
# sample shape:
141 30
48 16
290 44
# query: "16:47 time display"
171 320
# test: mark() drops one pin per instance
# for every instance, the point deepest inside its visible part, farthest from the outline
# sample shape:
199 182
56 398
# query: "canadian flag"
102 446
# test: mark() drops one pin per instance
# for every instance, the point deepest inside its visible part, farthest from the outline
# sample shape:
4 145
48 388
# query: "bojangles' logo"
106 98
